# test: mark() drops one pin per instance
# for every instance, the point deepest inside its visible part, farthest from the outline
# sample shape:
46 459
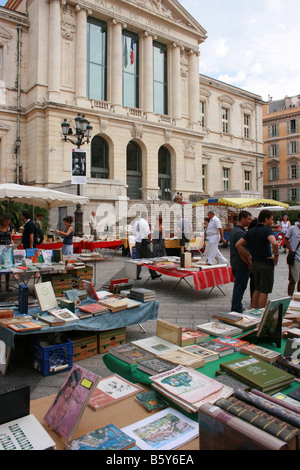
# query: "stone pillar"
116 65
54 50
81 55
176 82
194 93
147 71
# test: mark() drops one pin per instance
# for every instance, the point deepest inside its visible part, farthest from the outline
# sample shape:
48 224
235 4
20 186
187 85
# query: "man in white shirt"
214 234
292 242
93 223
142 243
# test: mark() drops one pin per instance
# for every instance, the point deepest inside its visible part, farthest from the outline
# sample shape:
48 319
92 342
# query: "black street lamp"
83 130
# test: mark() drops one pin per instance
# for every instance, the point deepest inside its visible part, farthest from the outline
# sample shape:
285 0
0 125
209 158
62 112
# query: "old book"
69 404
261 420
289 366
25 433
130 353
258 374
155 366
114 305
200 351
216 328
218 430
262 353
24 327
109 437
292 333
155 345
45 294
269 319
14 403
64 314
192 336
19 256
4 322
49 319
166 430
151 400
286 400
221 349
277 399
169 331
266 405
6 313
110 390
236 343
184 358
226 379
187 384
94 309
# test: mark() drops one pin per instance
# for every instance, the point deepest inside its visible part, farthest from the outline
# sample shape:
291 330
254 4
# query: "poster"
78 166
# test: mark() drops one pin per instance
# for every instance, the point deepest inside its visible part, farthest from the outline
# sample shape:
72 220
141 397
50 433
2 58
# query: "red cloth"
111 244
202 279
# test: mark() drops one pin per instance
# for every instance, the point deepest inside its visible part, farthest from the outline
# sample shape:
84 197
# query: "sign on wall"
78 166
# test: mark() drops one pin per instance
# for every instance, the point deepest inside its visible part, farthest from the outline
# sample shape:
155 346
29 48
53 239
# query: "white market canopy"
240 203
42 197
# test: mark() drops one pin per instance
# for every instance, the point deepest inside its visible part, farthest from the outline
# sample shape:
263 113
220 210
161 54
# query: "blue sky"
251 44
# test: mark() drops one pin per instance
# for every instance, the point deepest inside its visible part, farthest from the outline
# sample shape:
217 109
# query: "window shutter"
297 147
277 150
288 127
277 173
289 171
288 148
270 174
297 171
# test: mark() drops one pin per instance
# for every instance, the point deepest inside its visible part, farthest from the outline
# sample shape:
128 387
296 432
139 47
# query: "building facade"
281 146
132 69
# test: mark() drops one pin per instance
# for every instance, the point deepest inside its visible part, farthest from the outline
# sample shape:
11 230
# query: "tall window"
292 126
130 47
160 79
293 147
202 114
274 173
247 121
134 171
273 130
247 180
225 120
274 194
164 174
226 179
99 158
293 171
273 150
204 177
96 59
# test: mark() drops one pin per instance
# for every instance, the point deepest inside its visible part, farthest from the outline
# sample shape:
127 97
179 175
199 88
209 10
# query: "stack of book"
114 304
189 388
248 421
245 322
216 328
142 294
191 336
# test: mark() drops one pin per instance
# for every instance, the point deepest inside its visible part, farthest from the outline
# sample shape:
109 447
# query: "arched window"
99 158
134 171
164 174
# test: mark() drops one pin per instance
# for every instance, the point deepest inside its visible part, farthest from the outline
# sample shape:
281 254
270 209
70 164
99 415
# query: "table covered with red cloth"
93 245
206 278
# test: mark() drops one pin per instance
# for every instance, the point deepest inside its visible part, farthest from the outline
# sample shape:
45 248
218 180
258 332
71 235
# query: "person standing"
240 266
67 234
184 231
142 243
39 228
284 226
214 234
261 242
93 223
29 235
159 239
292 242
6 239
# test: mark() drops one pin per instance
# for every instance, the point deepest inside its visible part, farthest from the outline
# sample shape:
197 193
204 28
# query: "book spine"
268 407
257 418
282 403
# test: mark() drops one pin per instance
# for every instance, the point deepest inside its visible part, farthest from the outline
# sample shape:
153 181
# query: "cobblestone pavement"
181 305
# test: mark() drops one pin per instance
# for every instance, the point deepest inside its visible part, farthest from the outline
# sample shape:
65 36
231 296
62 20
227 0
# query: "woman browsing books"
5 240
67 234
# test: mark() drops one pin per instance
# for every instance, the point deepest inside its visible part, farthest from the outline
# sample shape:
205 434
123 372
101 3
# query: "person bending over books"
67 234
5 240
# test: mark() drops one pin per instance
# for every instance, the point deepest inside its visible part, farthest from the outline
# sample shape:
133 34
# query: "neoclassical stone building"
131 67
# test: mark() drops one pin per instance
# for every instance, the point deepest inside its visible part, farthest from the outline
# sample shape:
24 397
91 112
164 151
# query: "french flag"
131 52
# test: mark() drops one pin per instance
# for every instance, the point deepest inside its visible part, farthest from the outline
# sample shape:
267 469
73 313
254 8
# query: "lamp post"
82 135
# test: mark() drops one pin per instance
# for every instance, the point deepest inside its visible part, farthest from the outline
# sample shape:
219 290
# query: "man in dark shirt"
261 241
29 231
240 266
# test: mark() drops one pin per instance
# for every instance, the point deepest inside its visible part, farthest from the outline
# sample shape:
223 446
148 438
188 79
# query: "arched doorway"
164 174
134 171
99 158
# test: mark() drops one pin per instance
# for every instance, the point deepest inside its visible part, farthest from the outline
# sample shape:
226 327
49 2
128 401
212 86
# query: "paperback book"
202 352
237 344
155 366
24 433
64 314
155 345
151 400
221 349
262 353
216 328
110 390
130 353
191 336
45 294
181 357
108 437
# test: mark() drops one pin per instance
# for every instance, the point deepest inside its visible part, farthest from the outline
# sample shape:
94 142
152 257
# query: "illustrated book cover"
64 314
155 366
155 345
151 400
70 402
24 433
270 317
166 430
110 390
206 354
262 353
185 358
130 353
45 294
108 437
216 328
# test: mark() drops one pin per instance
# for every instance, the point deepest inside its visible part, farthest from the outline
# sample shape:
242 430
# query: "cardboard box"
110 338
83 346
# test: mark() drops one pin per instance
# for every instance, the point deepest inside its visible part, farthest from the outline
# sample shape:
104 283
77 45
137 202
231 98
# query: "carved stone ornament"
189 148
157 7
137 131
68 26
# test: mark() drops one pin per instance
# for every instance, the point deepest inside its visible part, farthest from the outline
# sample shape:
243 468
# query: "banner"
78 166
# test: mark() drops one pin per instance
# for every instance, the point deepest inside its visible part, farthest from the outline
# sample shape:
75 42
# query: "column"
54 50
81 54
147 73
176 82
194 94
116 65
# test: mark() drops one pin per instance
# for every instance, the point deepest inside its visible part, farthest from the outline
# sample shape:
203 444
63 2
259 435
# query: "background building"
281 147
132 69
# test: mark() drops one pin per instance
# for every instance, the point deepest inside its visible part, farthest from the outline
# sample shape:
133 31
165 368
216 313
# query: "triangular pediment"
171 10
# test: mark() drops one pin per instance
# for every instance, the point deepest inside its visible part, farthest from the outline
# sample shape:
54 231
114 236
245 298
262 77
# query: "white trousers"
213 252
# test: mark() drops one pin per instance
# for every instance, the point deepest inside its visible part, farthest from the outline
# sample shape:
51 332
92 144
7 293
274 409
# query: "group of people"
254 255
